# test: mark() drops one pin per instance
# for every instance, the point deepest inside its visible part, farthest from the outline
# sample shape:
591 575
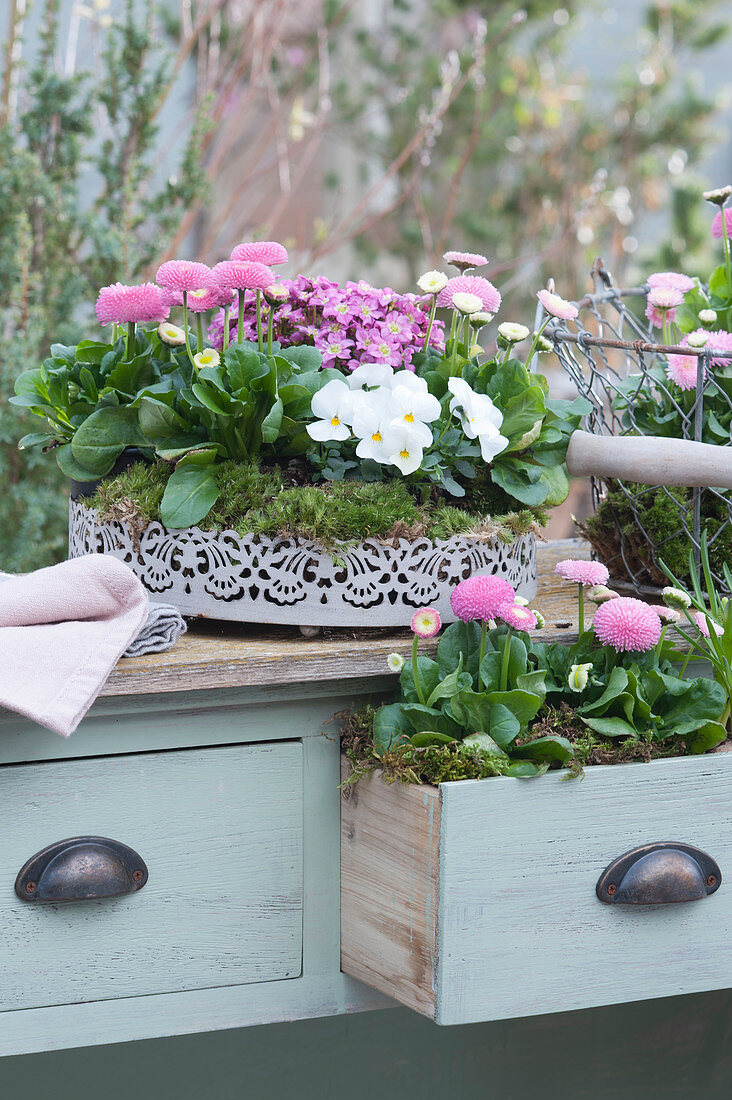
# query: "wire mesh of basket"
613 357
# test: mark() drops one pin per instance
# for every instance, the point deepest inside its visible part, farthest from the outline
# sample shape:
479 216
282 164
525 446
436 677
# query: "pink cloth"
62 630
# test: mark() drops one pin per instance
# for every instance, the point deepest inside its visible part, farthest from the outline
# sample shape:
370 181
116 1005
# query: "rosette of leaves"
465 701
532 468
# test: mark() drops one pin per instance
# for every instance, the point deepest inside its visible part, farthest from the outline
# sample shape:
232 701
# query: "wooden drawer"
476 900
220 831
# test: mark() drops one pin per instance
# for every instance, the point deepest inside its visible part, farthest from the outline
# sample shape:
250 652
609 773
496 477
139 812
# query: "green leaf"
68 465
428 718
431 737
610 727
189 496
429 676
459 645
550 750
521 414
484 743
159 421
303 356
90 351
616 686
523 704
706 737
454 682
390 727
272 422
524 769
100 440
218 402
35 439
243 363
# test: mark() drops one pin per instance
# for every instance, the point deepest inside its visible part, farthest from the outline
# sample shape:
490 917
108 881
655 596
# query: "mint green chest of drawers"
211 763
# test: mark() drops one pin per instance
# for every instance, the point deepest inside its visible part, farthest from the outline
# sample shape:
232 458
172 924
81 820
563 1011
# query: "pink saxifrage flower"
471 284
627 624
717 223
242 275
583 572
464 261
263 252
480 596
122 305
557 306
671 279
516 616
426 622
183 275
702 621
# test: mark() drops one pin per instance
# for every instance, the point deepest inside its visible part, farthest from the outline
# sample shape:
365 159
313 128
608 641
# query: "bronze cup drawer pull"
82 868
659 874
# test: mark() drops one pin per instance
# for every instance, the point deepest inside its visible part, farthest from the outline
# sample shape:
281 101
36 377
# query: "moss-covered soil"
276 501
446 763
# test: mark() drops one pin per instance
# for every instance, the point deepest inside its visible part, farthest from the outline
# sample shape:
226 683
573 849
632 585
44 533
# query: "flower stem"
725 238
453 341
130 340
481 651
240 326
185 328
260 341
505 659
199 333
581 609
415 671
433 310
227 334
270 329
535 342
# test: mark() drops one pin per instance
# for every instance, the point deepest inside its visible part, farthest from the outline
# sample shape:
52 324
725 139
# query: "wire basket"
612 356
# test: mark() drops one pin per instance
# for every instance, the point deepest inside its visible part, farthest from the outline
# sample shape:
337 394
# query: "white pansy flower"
369 427
403 450
333 406
414 410
578 677
479 417
697 339
432 282
371 374
467 303
409 379
395 661
206 358
512 333
708 316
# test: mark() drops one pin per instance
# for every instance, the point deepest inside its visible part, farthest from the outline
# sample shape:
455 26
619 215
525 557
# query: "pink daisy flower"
716 341
668 614
558 307
426 622
665 297
471 284
243 275
702 622
209 297
263 252
122 305
717 223
463 261
183 275
479 597
516 616
674 280
682 370
627 624
587 573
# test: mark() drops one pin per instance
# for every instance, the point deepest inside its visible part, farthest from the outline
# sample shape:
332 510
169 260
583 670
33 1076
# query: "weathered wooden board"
518 928
389 890
221 832
214 655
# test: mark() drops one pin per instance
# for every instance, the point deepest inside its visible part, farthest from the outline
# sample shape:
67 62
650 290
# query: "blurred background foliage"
367 135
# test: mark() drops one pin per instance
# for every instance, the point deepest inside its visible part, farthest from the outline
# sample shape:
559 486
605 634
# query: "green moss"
619 538
264 501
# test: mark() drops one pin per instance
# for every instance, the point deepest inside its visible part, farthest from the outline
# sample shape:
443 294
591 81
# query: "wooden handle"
651 460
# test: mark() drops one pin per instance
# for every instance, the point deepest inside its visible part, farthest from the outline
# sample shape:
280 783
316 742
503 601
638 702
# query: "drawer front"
220 831
521 930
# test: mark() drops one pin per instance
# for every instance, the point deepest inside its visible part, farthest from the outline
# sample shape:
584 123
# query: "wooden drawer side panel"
389 889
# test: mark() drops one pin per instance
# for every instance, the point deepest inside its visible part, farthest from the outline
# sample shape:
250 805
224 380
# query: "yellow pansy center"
335 421
409 417
404 454
376 437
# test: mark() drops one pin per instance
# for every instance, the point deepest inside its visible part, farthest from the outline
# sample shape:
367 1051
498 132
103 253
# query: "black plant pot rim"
79 490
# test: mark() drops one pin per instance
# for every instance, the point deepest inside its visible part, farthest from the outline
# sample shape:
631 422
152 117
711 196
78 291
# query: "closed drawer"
476 900
220 831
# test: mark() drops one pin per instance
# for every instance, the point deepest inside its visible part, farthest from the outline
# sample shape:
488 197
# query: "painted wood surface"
221 833
389 890
650 459
216 655
518 927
